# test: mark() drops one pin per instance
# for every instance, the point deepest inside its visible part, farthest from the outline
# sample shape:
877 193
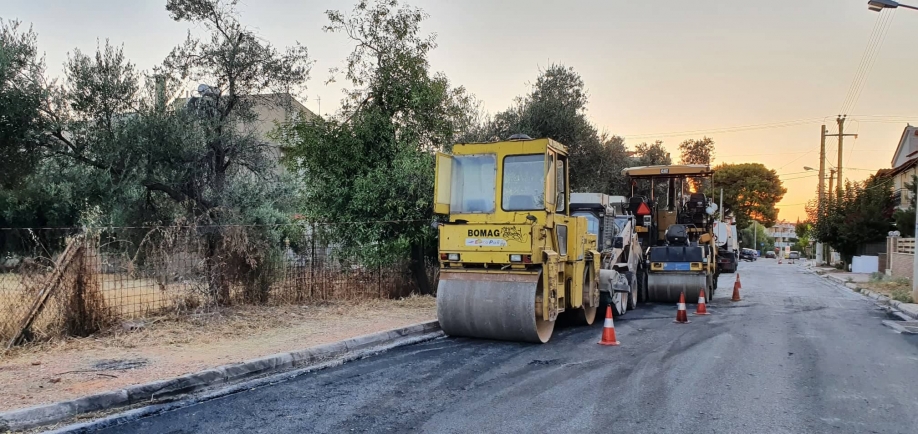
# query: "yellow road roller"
512 258
677 230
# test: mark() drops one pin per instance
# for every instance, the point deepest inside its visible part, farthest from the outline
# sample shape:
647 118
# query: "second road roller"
677 229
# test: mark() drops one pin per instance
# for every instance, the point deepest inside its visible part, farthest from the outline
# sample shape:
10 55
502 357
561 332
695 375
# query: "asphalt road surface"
797 355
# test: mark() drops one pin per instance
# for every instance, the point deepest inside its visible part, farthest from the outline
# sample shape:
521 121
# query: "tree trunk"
419 270
218 285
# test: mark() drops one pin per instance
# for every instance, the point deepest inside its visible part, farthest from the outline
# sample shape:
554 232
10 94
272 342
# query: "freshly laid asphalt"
796 355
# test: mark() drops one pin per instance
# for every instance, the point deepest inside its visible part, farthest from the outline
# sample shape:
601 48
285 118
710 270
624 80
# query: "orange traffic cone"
736 288
608 330
702 307
681 315
738 281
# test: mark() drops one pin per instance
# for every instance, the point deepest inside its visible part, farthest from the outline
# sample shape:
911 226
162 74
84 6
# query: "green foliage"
112 138
748 240
651 154
804 231
697 151
751 192
555 108
21 96
373 162
863 214
648 154
694 151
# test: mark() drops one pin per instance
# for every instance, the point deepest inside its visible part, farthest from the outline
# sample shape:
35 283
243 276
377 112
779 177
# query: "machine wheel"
620 303
633 295
586 315
642 285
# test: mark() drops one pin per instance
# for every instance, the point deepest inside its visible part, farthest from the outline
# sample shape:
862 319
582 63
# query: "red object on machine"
643 209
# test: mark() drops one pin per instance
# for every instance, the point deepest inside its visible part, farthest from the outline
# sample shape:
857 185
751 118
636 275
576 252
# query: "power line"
874 43
725 129
860 65
876 53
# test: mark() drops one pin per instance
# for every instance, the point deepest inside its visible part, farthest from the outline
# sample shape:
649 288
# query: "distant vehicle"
770 254
726 261
747 255
793 255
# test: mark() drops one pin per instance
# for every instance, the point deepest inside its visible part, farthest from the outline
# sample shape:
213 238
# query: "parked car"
793 255
770 254
726 261
747 255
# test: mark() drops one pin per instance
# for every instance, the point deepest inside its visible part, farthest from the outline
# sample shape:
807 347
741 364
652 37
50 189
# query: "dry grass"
174 345
896 289
127 298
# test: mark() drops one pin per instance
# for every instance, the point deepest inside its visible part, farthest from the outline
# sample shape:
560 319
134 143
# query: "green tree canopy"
751 191
556 108
372 162
22 92
694 151
862 215
754 236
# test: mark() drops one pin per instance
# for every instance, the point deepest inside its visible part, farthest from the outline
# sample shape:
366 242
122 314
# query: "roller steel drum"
491 306
666 287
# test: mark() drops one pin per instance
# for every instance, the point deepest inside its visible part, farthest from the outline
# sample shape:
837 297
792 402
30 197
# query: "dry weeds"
173 345
896 289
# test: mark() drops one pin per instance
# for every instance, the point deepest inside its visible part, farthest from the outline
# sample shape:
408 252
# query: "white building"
903 166
783 233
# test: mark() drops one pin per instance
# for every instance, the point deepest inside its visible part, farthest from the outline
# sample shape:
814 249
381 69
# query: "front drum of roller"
492 305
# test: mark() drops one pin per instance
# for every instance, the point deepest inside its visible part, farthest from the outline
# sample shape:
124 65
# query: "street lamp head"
879 5
808 168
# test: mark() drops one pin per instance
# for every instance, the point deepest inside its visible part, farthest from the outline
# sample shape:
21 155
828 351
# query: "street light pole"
877 6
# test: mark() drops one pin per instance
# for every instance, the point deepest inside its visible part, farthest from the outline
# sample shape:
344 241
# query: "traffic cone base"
681 315
702 306
608 330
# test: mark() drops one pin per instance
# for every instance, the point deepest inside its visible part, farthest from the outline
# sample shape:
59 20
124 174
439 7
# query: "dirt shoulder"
167 347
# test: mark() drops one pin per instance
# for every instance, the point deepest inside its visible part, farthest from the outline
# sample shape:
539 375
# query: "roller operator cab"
512 257
677 228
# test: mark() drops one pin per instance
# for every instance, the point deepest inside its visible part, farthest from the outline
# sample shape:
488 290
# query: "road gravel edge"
879 298
258 372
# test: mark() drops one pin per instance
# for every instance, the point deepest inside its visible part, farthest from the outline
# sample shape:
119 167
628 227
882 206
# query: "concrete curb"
881 299
307 360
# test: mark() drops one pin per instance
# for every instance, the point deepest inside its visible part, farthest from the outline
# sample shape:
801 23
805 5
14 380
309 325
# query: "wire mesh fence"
75 282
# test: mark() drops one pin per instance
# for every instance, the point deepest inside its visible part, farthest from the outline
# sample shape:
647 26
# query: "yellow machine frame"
501 242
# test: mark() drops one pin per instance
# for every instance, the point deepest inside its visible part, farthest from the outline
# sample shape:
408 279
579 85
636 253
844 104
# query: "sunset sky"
652 68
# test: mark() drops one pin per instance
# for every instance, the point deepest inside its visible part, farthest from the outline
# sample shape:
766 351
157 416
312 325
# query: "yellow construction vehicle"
512 258
678 233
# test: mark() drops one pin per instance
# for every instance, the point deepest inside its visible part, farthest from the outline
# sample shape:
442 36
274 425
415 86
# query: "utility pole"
841 138
822 167
821 196
755 235
831 179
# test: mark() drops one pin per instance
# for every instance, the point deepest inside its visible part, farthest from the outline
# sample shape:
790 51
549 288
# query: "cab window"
592 221
524 183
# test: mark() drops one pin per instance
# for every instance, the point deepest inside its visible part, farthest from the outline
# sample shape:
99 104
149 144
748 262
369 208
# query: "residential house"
783 233
903 166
